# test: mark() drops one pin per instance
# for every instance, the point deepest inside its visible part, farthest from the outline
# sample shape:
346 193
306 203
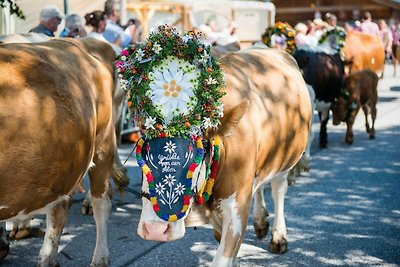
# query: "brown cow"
360 90
364 51
56 121
263 134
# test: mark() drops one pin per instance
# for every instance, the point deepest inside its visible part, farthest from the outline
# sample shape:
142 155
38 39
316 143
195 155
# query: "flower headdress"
281 29
339 34
173 84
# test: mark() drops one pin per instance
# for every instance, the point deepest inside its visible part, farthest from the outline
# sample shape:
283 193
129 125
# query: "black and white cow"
324 72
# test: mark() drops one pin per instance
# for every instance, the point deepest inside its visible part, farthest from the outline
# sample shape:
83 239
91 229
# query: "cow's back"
365 51
273 133
49 119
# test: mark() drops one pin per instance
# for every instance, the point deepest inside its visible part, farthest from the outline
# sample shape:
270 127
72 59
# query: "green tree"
14 8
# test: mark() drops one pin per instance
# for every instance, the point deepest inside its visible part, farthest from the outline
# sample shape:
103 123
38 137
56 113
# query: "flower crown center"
171 89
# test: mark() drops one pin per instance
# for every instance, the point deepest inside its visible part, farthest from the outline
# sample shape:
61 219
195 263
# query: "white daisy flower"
149 93
123 58
160 188
170 147
169 180
139 54
149 123
207 123
173 83
156 48
179 189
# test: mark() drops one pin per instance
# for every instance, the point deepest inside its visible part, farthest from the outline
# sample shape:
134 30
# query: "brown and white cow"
359 91
364 51
56 121
263 134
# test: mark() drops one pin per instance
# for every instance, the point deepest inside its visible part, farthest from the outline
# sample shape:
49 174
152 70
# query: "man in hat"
50 18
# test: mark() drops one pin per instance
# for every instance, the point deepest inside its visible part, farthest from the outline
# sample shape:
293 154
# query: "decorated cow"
208 146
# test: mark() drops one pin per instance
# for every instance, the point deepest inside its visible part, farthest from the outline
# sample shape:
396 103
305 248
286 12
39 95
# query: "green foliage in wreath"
283 29
338 33
173 84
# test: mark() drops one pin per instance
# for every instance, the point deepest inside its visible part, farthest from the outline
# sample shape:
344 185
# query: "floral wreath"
340 36
173 84
281 28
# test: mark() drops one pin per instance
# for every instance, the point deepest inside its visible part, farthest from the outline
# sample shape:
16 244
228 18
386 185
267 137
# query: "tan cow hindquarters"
56 112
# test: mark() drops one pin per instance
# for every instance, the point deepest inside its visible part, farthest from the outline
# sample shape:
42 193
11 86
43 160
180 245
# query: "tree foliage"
14 8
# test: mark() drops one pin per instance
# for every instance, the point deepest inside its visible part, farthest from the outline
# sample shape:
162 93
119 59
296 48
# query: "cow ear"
231 118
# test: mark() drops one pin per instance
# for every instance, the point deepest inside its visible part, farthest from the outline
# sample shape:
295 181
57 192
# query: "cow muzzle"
157 231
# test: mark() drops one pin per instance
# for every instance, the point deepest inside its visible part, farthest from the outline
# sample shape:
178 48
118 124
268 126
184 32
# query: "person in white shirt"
97 19
369 27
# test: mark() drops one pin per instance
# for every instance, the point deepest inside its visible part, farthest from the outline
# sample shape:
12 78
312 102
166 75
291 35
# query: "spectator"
114 33
395 28
73 27
216 37
50 18
301 37
97 19
367 26
387 38
331 20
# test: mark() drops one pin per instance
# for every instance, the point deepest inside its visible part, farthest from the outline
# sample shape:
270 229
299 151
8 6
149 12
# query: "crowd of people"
310 32
105 25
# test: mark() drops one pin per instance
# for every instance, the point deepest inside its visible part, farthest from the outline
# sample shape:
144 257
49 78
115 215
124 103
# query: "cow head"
343 107
151 226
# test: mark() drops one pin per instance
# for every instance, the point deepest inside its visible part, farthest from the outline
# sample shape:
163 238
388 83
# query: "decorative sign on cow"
174 90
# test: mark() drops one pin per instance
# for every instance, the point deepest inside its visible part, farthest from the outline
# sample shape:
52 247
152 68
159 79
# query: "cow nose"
157 231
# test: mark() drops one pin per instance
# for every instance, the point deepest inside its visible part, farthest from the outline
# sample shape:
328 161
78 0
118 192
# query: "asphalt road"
344 212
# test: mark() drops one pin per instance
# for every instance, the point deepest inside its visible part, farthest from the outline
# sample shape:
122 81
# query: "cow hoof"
323 145
349 141
278 247
372 134
261 227
291 181
4 244
87 210
104 262
20 233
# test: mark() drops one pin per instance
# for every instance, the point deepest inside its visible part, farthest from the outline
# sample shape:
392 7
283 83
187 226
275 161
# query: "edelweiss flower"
170 147
160 188
156 48
169 180
139 54
207 123
211 81
195 130
179 189
173 84
149 123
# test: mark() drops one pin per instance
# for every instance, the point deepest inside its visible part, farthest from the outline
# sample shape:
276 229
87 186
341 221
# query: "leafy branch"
14 8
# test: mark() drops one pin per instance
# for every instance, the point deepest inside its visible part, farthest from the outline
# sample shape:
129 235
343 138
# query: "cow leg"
56 217
99 186
349 133
4 244
373 116
366 112
278 242
323 135
234 216
260 214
